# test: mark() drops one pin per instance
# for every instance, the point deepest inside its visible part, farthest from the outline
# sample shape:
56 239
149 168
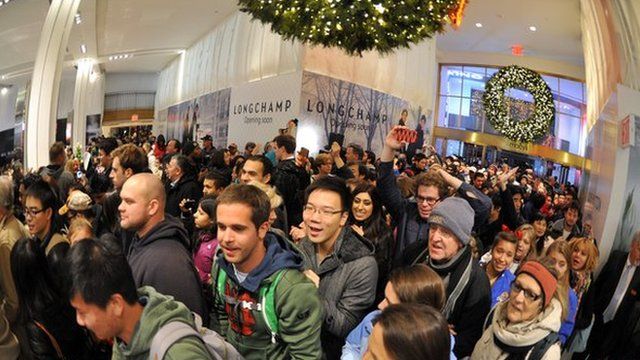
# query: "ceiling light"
83 48
532 28
78 18
478 25
4 91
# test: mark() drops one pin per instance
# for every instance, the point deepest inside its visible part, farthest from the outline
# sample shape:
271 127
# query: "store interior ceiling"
156 29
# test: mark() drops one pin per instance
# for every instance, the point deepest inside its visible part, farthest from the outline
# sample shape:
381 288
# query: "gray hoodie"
160 259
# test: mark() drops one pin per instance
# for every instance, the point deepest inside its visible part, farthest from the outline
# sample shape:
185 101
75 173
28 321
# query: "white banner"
362 115
260 109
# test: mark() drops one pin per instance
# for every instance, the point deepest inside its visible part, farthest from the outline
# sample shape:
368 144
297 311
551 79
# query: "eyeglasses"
323 212
517 288
32 212
428 200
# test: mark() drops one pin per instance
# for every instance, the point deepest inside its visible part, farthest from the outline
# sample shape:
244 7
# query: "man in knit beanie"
467 287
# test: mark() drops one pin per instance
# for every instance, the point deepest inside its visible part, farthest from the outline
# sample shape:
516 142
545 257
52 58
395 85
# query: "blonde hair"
591 249
562 247
79 223
562 291
527 232
275 200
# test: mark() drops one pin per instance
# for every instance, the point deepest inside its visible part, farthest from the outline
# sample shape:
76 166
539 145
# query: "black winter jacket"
473 304
161 259
186 188
291 181
60 321
410 226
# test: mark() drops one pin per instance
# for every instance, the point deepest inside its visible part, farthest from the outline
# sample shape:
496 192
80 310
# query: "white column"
88 99
45 81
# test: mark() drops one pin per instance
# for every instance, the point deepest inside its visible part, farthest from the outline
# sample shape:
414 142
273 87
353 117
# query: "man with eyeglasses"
411 216
448 253
338 261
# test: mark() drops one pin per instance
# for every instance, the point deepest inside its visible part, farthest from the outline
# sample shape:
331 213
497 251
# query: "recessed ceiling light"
83 48
478 25
532 28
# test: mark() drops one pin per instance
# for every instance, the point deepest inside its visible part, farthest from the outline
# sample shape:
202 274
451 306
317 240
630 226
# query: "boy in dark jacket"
254 262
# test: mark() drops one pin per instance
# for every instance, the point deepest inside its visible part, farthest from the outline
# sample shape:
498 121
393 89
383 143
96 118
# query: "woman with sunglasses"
526 326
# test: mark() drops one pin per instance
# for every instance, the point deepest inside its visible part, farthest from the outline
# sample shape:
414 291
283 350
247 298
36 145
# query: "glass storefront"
460 105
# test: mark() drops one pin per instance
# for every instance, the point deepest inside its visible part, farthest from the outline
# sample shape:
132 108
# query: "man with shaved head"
158 255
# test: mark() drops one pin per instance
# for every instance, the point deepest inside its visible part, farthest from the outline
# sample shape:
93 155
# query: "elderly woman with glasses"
526 326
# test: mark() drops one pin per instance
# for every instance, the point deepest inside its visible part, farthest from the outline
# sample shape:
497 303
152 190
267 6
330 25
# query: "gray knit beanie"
456 215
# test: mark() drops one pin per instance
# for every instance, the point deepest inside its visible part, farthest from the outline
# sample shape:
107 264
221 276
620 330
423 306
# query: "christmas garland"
356 26
496 110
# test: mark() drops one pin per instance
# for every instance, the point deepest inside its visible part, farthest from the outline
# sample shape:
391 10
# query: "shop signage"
627 131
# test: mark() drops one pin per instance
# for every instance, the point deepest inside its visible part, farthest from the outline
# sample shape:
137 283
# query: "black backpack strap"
541 347
489 319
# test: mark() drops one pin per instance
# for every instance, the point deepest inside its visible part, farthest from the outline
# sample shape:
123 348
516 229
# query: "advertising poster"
211 113
362 115
190 120
6 142
260 109
630 222
172 123
93 127
160 124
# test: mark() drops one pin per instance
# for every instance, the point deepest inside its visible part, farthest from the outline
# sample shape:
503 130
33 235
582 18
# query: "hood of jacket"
528 332
158 311
168 229
281 254
349 247
54 170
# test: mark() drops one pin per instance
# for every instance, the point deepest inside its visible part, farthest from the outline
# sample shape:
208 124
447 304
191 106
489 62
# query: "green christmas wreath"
496 110
356 26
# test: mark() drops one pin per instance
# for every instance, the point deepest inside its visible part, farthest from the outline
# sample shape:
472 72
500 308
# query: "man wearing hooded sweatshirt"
252 260
104 295
158 254
55 169
338 261
467 287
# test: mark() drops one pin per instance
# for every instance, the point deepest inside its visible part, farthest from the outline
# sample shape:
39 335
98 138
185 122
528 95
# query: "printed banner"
259 110
211 116
183 121
362 115
630 222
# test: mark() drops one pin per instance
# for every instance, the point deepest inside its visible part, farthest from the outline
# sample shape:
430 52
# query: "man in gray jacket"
338 261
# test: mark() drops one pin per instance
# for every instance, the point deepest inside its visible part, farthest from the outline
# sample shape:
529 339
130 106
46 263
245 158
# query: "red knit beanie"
548 283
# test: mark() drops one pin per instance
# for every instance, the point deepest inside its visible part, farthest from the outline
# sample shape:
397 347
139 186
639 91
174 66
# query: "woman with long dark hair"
367 218
160 147
41 210
45 313
221 162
